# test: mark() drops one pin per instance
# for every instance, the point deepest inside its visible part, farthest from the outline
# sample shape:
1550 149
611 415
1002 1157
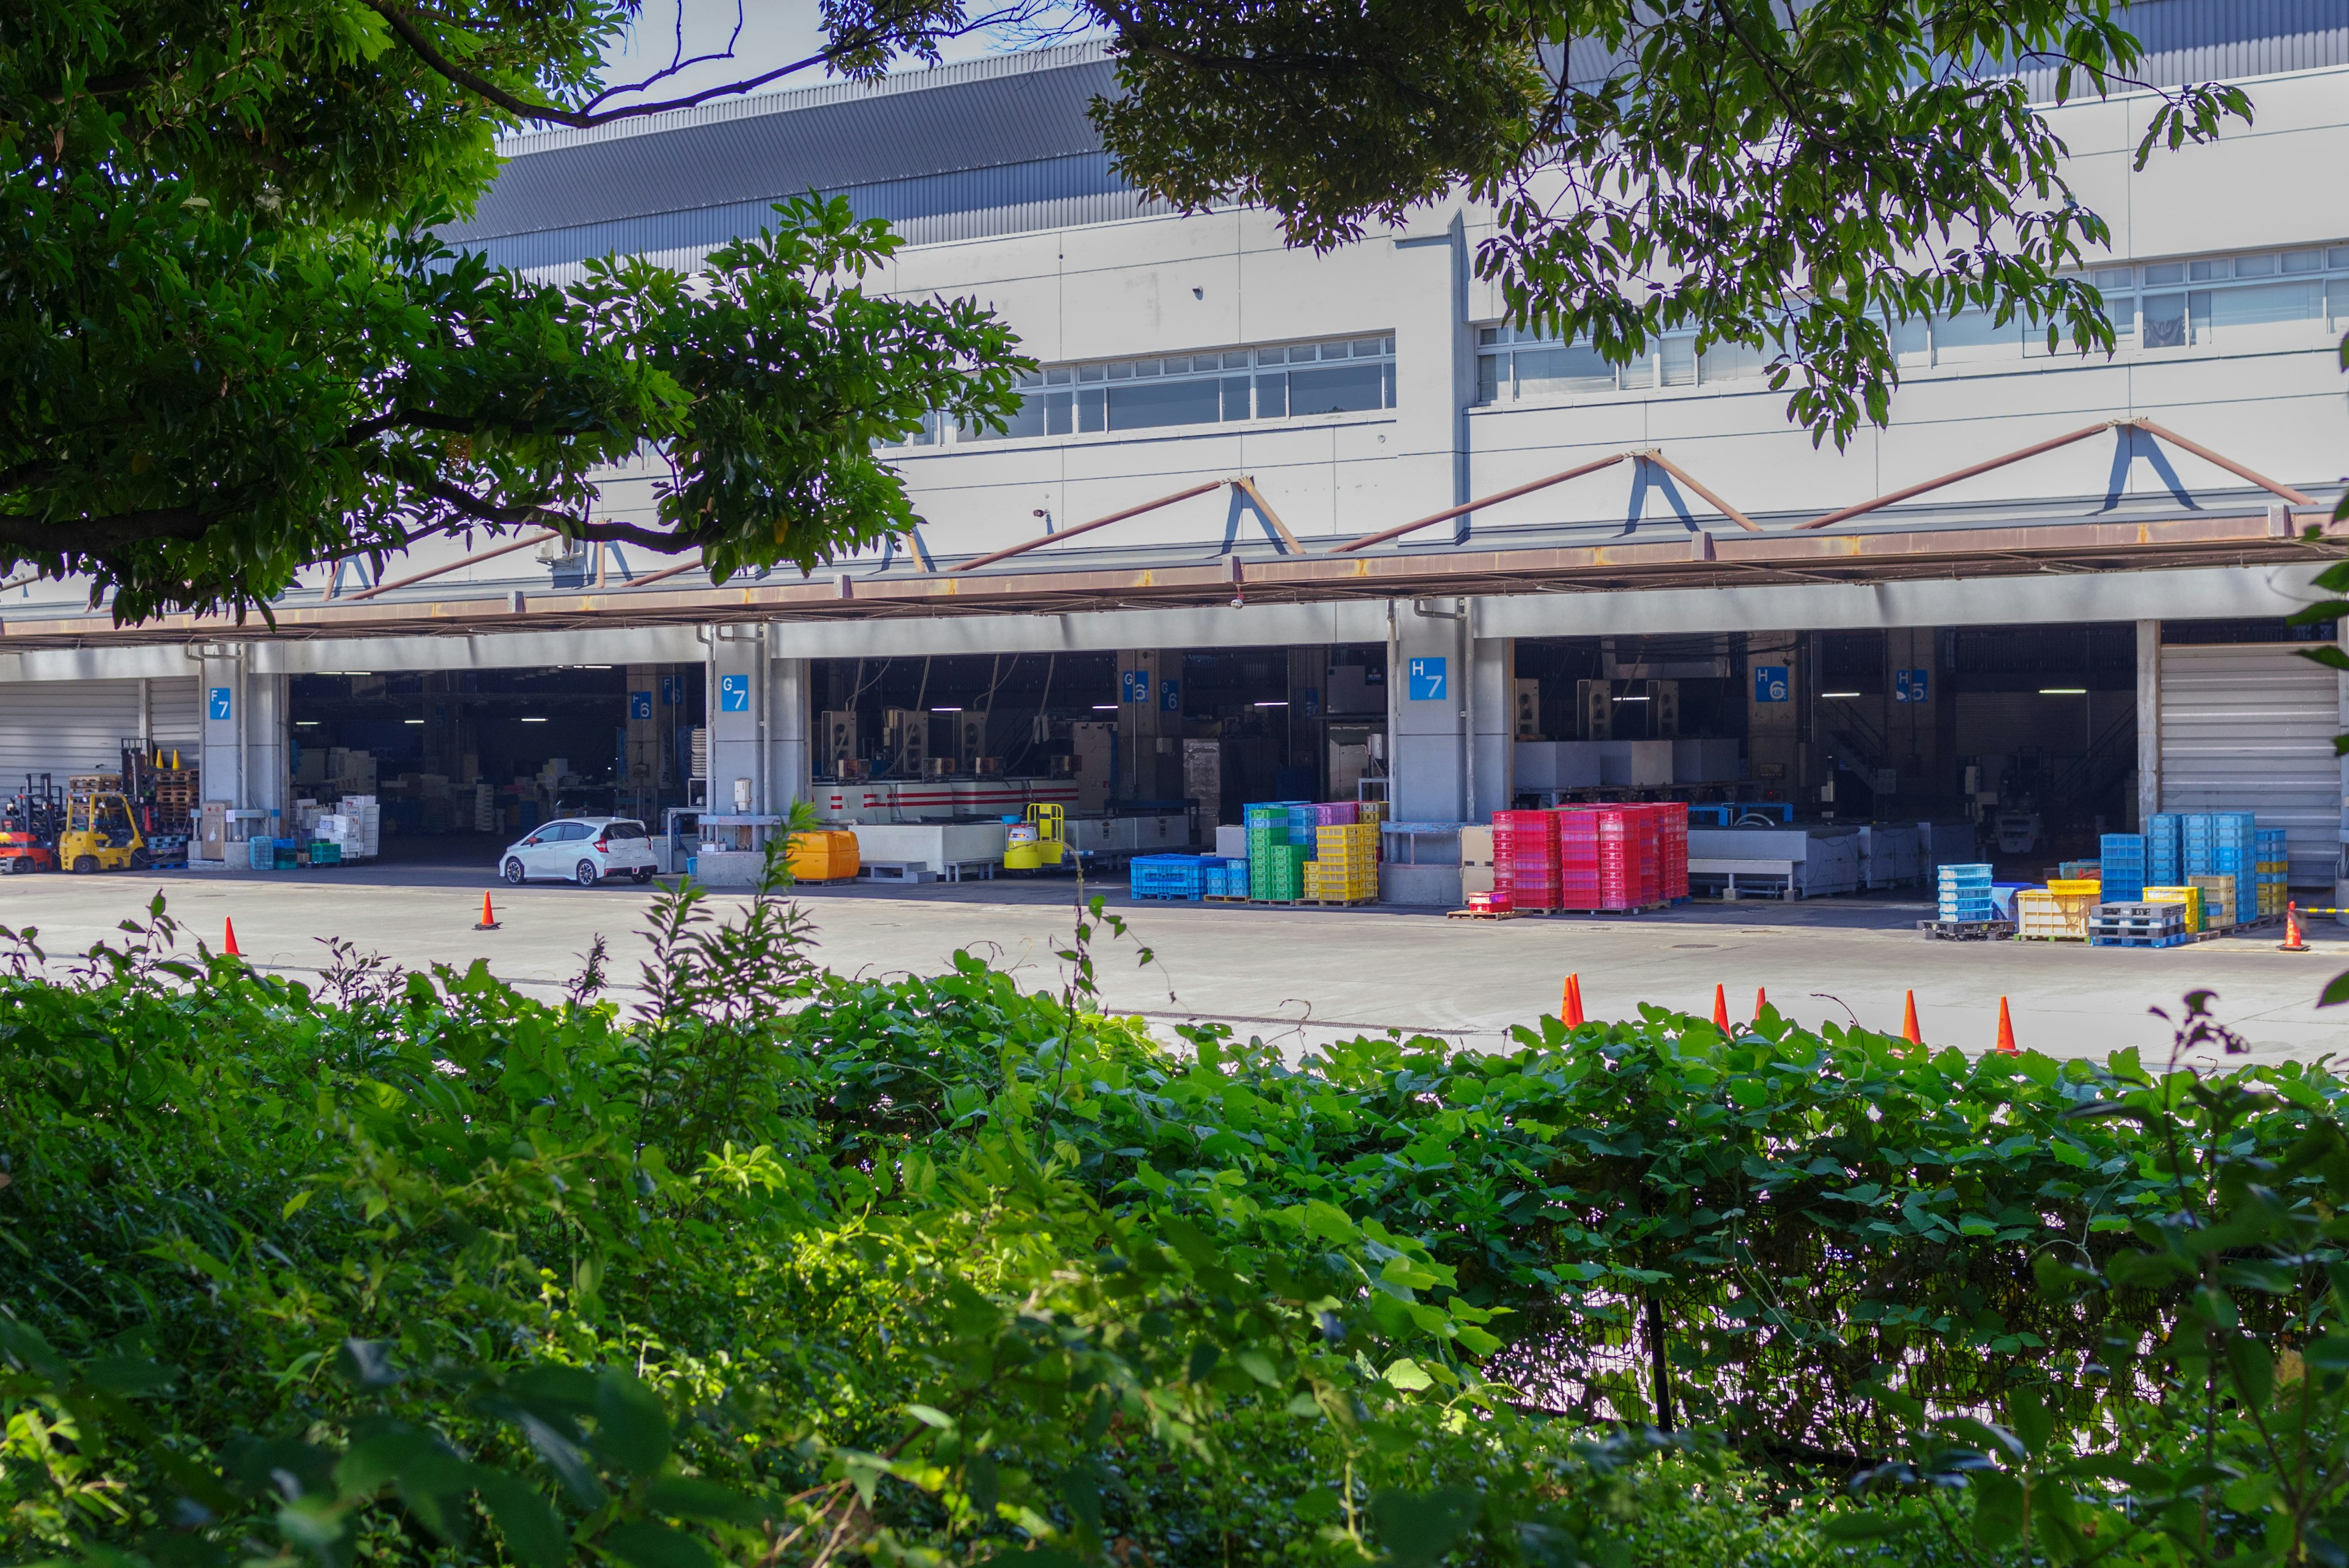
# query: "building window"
2235 300
1275 381
1513 363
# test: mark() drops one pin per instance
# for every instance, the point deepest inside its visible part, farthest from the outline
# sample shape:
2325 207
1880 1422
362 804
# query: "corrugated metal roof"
2222 40
927 123
928 210
2185 41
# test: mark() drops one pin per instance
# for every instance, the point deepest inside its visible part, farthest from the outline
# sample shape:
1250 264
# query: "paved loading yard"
1299 973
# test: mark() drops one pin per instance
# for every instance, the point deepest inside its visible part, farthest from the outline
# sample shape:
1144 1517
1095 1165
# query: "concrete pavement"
1295 974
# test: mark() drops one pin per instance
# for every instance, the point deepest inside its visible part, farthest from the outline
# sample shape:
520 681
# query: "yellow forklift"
101 834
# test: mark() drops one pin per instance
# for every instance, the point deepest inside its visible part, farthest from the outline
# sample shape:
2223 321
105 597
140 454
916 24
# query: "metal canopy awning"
1692 560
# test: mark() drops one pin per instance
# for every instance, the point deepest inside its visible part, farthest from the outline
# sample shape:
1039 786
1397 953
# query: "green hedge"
791 1264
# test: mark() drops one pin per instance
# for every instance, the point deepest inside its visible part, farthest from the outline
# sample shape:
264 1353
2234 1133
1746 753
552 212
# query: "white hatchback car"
582 849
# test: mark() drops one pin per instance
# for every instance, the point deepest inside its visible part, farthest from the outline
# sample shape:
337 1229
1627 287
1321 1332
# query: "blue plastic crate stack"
2224 844
2121 867
1223 876
2275 870
1173 877
2165 858
1966 894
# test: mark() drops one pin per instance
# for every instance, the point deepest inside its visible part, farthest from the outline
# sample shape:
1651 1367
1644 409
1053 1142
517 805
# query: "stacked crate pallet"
1174 878
2045 914
2165 856
2274 871
1345 865
2121 867
2136 924
2219 901
2188 899
2223 844
1965 896
1525 863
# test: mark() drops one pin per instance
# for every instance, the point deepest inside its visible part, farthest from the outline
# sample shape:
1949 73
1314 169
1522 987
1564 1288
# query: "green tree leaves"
1805 183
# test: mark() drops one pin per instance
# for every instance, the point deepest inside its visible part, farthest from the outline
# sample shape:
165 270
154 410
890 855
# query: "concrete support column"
733 715
790 721
1774 749
1493 705
245 726
641 770
2148 718
1149 734
1309 702
1427 706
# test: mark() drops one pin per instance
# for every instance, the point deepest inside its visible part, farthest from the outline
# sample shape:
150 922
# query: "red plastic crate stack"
1580 884
1525 858
1672 818
1623 856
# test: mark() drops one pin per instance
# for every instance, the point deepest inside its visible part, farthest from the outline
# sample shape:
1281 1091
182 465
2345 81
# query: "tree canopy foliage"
235 349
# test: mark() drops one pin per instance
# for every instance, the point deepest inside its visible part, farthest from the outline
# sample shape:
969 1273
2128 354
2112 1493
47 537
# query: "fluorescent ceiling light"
411 721
945 710
1272 704
1631 699
1105 707
306 723
527 719
1838 693
2062 691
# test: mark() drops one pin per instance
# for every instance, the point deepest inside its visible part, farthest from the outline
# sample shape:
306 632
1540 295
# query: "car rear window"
624 830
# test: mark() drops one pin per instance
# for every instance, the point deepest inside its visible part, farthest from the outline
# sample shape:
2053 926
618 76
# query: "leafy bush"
793 1265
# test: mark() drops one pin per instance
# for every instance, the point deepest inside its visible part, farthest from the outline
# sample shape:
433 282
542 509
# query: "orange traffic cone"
2291 942
1719 1007
228 941
1761 1000
1908 1030
2005 1030
1571 1005
488 920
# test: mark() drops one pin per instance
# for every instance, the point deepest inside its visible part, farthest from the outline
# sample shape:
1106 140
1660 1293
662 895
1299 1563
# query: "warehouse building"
1272 523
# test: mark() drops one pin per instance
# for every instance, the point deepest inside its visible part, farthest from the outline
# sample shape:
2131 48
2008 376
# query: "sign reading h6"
1427 682
1771 683
217 706
733 694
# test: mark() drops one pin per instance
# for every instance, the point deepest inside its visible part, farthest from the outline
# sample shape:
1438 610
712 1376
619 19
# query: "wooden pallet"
1336 903
1223 899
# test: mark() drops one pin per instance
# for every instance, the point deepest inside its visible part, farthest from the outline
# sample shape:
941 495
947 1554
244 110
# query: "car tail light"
601 843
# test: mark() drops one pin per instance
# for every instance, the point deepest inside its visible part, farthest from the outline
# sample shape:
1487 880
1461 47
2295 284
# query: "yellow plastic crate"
2218 900
2189 897
2044 912
2075 886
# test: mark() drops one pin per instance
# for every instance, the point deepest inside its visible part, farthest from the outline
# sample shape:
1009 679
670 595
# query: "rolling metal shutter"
2249 727
63 727
176 715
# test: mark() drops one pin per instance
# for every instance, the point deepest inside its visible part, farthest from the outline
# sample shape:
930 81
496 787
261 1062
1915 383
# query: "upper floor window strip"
1270 381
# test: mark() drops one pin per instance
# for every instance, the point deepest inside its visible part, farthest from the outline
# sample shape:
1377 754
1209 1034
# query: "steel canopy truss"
1988 464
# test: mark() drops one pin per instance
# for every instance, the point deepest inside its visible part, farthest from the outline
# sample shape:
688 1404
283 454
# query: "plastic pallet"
2172 939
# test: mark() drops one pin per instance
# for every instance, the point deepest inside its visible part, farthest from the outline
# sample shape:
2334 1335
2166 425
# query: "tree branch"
25 532
589 117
